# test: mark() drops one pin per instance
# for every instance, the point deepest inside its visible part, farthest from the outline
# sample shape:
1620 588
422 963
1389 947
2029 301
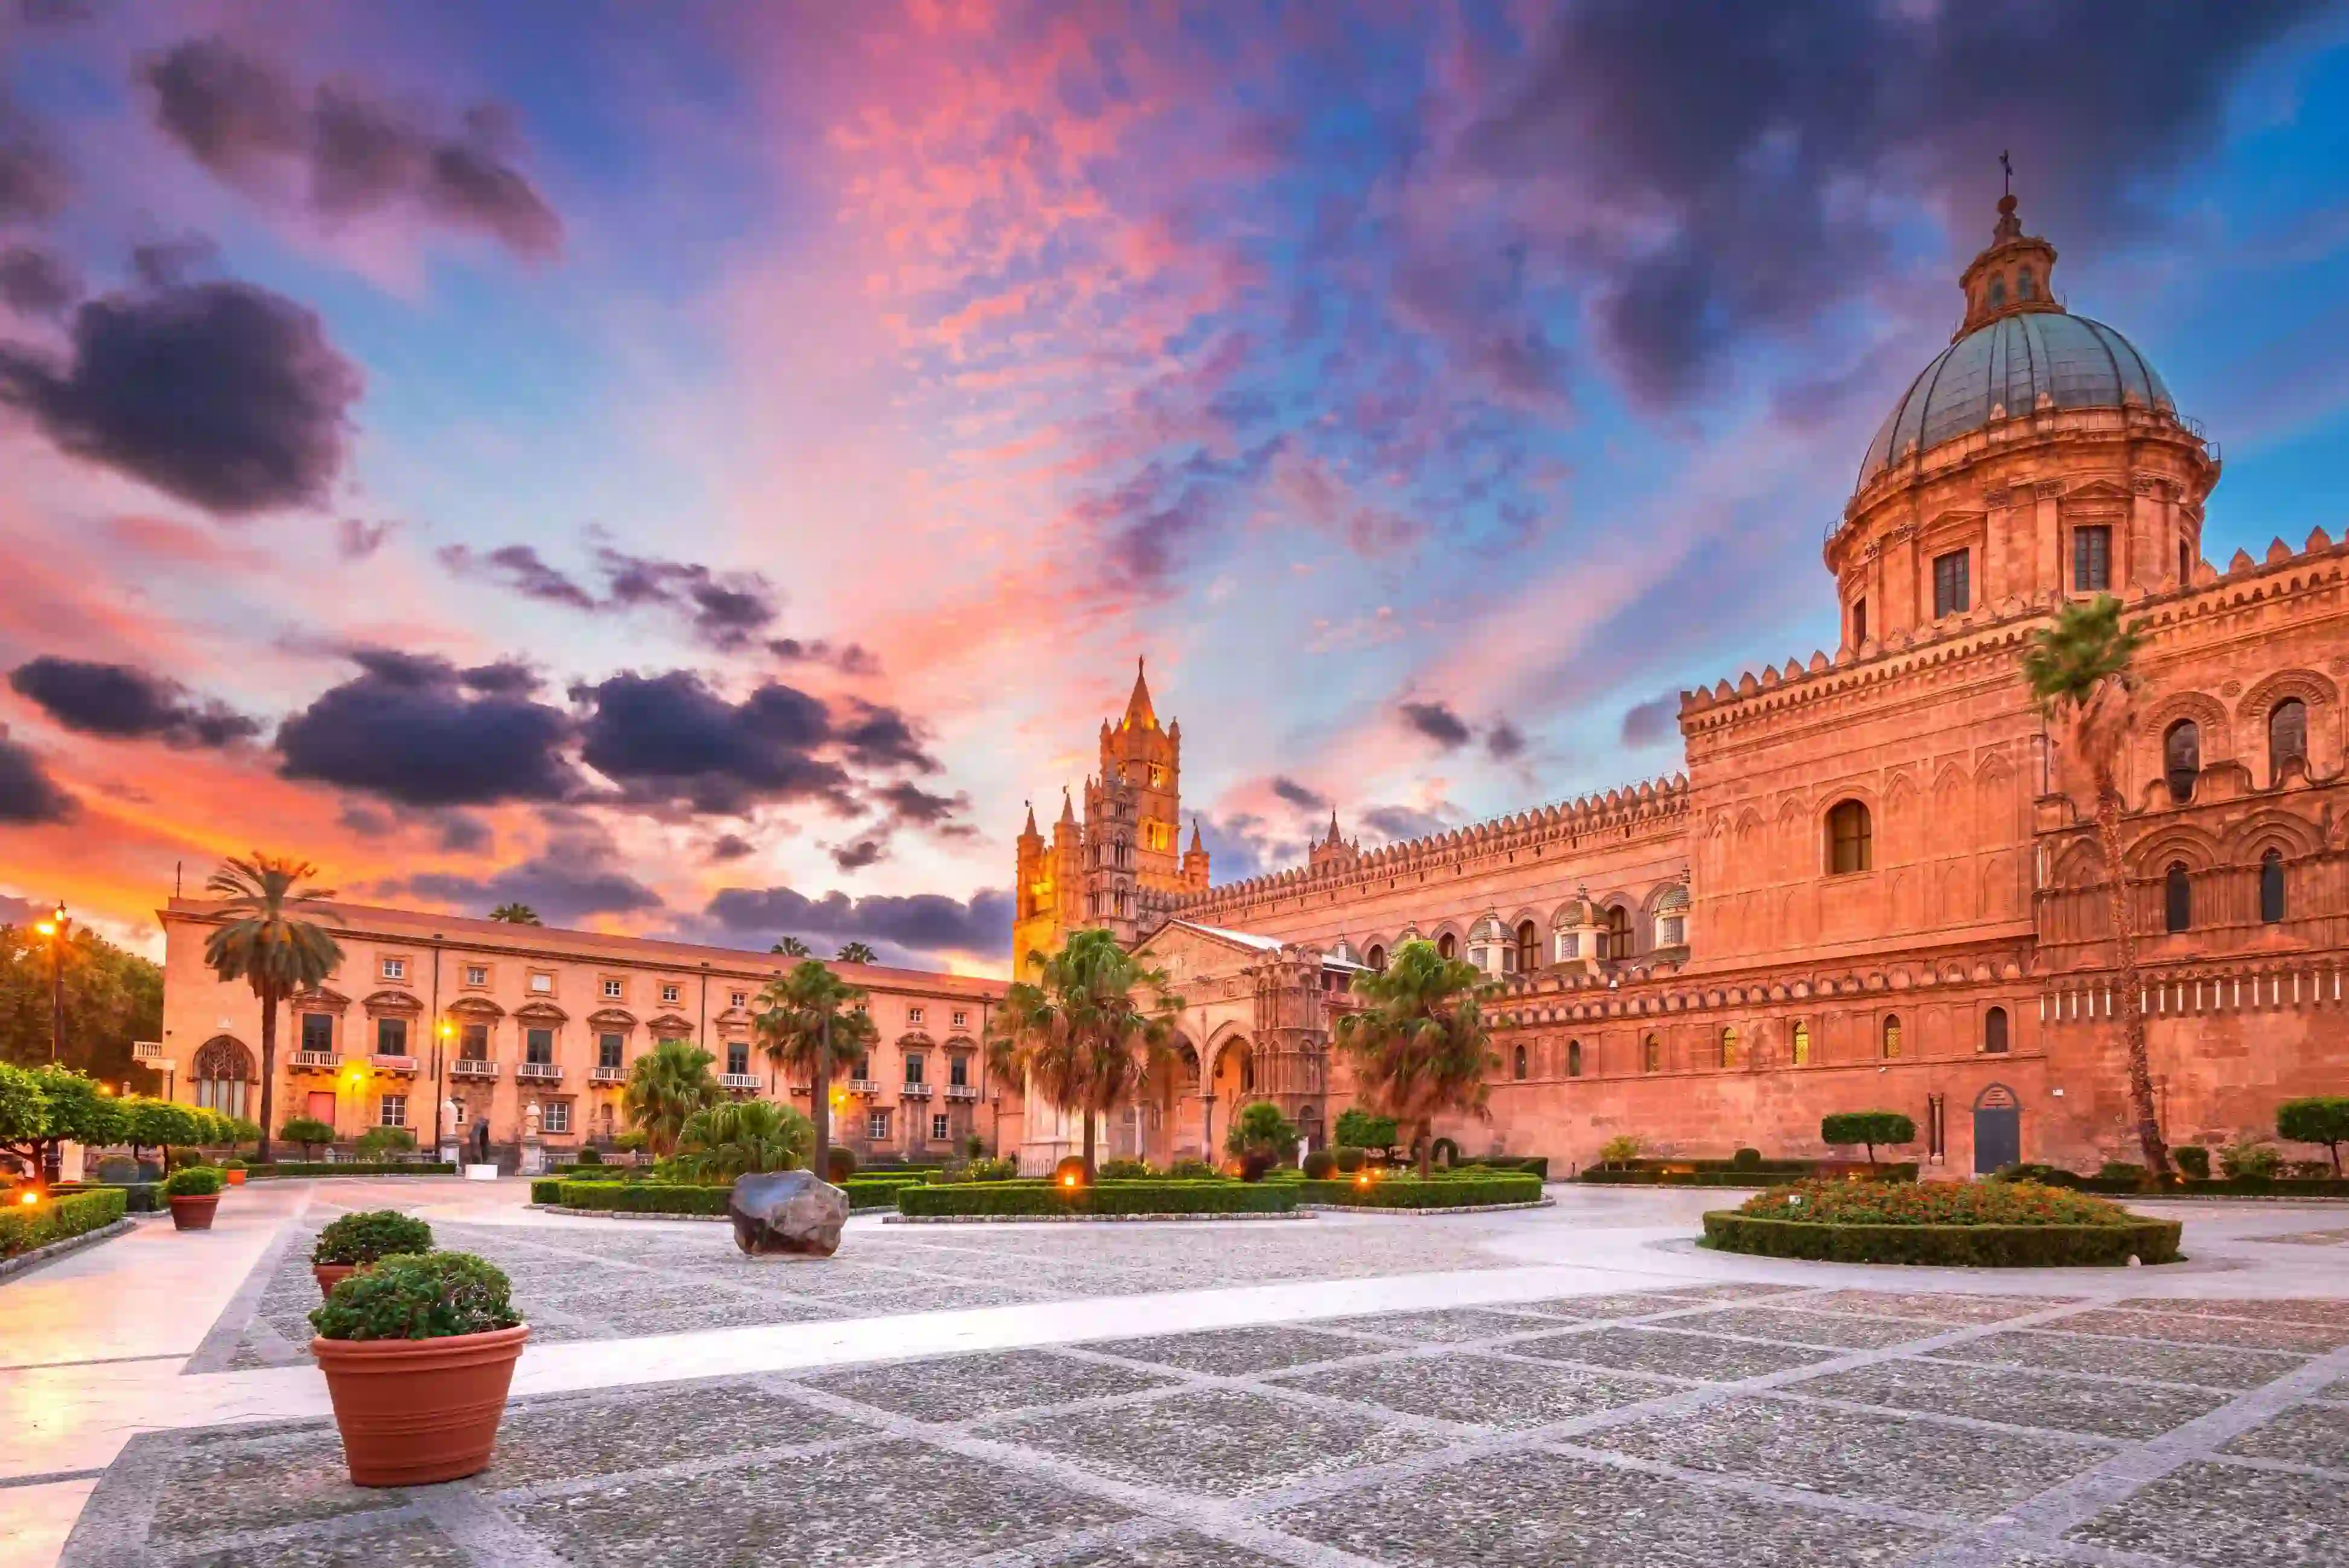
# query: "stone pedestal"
448 1151
533 1157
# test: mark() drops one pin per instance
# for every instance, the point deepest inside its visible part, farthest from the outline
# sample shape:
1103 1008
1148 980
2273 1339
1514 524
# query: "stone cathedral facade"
1873 887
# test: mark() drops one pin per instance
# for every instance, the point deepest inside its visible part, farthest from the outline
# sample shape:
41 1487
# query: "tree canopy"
1422 1047
113 997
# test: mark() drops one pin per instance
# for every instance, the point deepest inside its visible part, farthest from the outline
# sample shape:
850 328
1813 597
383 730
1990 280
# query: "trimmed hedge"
352 1168
1537 1164
137 1197
1002 1199
1458 1191
1722 1174
1949 1246
682 1198
24 1226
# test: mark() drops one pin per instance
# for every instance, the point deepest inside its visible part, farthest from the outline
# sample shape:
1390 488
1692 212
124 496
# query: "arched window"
1615 942
223 1074
1376 958
1518 1063
1574 1058
1651 1055
1998 290
2184 563
1802 1049
2181 759
2178 898
1994 1031
1528 947
2271 887
1447 945
2024 287
1729 1046
1891 1035
2287 735
1851 840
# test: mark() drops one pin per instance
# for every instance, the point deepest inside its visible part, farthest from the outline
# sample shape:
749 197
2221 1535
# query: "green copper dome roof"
2012 365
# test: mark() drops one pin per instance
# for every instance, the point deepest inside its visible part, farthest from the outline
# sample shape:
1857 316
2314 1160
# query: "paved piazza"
1572 1385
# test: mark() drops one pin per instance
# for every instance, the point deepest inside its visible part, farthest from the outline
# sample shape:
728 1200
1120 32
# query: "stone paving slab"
2200 1328
1672 1354
1613 1303
1236 1350
960 1387
1447 1326
2214 1367
639 1428
2228 1516
2307 1435
1475 1389
1932 1306
2051 1400
1832 1330
2324 1313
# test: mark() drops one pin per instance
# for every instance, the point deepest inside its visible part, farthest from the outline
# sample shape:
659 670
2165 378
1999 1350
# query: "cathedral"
1875 886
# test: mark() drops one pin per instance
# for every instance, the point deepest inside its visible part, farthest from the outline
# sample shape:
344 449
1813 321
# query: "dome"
2010 365
1676 897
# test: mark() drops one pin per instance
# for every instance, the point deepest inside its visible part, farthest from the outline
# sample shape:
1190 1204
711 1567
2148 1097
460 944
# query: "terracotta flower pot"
194 1213
329 1275
415 1411
235 1177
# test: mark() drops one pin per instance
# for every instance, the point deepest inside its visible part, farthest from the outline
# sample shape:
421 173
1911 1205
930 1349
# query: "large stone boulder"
787 1211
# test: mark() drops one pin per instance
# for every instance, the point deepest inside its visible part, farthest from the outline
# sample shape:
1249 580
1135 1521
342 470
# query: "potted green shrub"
419 1352
357 1242
233 1170
194 1191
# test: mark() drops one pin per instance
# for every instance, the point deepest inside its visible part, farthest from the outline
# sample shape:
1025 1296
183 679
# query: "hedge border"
292 1168
1601 1176
663 1200
1458 1193
996 1200
62 1219
1425 1213
1947 1246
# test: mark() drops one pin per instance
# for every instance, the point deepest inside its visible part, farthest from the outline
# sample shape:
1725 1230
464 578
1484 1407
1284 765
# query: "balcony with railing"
966 1093
473 1068
913 1090
739 1083
313 1062
539 1072
405 1066
607 1074
863 1086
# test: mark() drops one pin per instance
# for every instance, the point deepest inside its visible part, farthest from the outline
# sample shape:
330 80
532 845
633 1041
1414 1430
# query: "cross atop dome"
2011 277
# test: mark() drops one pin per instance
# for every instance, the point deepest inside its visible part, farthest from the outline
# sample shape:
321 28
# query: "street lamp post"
54 928
441 1100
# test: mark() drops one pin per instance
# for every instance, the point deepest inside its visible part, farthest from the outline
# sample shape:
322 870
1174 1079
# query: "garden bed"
29 1228
1003 1200
1983 1225
1494 1190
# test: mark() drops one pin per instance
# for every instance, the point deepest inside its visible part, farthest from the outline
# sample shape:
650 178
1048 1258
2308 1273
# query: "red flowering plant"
1933 1203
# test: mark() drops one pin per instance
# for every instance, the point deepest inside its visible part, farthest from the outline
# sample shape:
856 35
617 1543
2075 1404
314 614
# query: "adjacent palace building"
1868 890
480 1032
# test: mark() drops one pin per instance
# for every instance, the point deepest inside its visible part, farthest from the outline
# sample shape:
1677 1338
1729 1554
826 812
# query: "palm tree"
666 1086
1094 1030
856 953
270 940
789 948
516 914
809 1020
739 1137
1421 1048
2079 669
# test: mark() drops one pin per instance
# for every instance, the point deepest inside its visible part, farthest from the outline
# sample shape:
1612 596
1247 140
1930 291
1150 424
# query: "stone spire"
1333 838
1196 846
1139 714
1030 831
1067 812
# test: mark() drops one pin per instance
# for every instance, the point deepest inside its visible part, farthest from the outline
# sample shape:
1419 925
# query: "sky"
700 469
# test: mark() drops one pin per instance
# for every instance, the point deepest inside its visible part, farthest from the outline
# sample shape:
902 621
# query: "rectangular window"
317 1032
477 973
1952 583
737 998
672 992
876 1125
474 1043
538 1047
2092 559
938 1128
395 968
913 1069
543 984
391 1036
958 1071
913 1016
393 1111
607 1050
555 1116
1859 622
614 990
962 1019
456 1113
738 1056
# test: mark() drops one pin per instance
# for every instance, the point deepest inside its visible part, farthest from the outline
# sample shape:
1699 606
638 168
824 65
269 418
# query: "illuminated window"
1729 1046
1851 840
543 984
1892 1036
1802 1051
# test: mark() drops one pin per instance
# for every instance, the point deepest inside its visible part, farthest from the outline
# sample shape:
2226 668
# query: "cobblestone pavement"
1751 1424
625 1279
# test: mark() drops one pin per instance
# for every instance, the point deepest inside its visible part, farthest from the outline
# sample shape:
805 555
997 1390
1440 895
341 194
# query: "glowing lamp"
46 928
28 1196
1362 1180
1069 1179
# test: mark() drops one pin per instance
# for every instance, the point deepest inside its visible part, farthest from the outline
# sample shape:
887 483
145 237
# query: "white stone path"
92 1348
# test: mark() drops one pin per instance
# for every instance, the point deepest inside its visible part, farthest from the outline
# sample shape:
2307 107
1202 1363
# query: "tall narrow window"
737 1057
609 1050
1994 1031
1528 947
1574 1058
391 1036
318 1034
1892 1036
1729 1046
1801 1047
1615 942
2287 736
2092 559
474 1043
1376 957
538 1047
2181 759
1952 583
1447 945
1518 1063
1651 1055
2185 564
2178 898
2023 287
1859 622
2271 887
1851 840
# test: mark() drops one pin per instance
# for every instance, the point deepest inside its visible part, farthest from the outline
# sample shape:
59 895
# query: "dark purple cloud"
671 738
914 923
223 395
27 795
34 181
1654 722
519 569
848 658
856 856
730 847
37 282
578 873
725 611
123 702
344 152
356 539
422 732
1504 742
1298 795
1437 722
